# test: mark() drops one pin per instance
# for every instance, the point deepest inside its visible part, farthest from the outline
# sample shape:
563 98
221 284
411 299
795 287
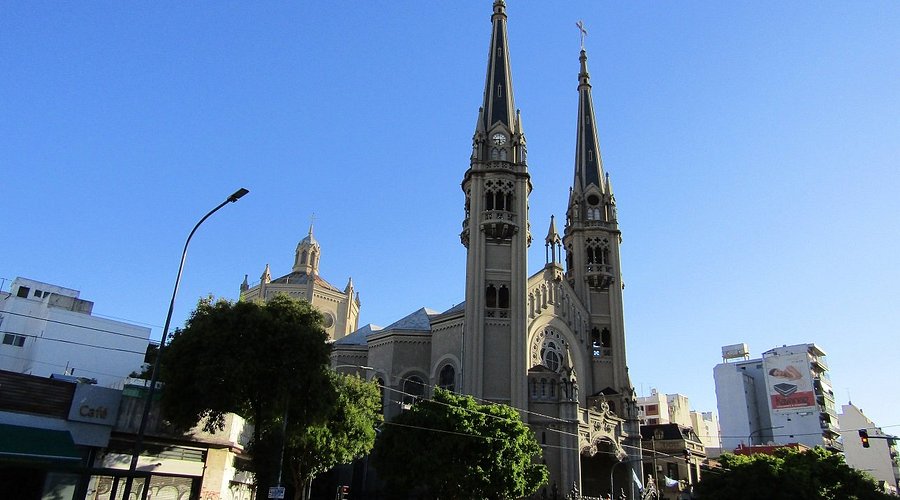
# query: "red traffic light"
864 437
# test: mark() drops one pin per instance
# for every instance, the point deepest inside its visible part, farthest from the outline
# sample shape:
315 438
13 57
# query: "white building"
676 409
878 460
706 425
664 409
47 329
783 397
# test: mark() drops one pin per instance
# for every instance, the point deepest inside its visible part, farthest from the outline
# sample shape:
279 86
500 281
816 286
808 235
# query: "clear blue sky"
753 147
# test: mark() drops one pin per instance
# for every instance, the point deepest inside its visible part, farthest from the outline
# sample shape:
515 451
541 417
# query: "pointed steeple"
244 284
266 275
552 235
552 245
498 91
588 163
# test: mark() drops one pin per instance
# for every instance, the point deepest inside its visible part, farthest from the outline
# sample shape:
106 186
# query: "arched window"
503 154
552 388
509 202
605 338
413 389
447 378
303 257
490 298
504 297
534 388
495 154
489 200
543 387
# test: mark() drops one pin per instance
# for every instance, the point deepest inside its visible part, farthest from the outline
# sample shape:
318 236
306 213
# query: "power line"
101 330
64 341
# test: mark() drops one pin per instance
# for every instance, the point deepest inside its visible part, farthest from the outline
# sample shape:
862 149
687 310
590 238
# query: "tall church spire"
496 234
498 91
588 163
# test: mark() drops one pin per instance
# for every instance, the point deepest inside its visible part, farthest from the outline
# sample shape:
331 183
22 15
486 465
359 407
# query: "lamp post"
154 377
750 437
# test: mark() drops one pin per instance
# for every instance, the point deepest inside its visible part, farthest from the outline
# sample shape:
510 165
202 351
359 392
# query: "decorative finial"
583 31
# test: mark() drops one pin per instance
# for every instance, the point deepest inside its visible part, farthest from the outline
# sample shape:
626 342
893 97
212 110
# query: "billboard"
789 382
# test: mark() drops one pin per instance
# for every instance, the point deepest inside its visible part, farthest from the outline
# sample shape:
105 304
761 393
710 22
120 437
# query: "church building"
550 344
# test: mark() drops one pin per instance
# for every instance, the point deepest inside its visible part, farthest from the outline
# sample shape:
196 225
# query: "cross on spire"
583 31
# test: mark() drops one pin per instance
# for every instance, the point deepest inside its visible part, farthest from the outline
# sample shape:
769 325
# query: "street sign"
276 493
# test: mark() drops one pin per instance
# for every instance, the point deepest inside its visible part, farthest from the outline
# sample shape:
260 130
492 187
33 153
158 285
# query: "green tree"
347 433
815 474
454 448
263 361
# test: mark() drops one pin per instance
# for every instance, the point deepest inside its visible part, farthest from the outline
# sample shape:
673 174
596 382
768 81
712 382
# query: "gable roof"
359 336
419 320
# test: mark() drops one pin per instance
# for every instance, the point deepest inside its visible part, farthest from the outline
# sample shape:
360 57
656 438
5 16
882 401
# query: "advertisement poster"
789 382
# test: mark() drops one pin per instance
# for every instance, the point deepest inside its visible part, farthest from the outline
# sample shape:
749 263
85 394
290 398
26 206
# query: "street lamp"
750 437
154 377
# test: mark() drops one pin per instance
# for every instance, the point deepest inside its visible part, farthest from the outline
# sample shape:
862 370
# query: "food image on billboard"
789 382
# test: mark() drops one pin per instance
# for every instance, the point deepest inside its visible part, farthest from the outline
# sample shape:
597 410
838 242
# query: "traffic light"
345 492
864 437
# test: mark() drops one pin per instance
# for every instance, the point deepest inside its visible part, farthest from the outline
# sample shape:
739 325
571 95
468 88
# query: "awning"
32 443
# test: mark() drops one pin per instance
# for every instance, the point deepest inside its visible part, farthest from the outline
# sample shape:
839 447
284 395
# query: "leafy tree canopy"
455 448
347 433
256 359
815 474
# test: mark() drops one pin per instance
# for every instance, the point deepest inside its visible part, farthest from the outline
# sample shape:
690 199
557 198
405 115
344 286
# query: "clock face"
499 139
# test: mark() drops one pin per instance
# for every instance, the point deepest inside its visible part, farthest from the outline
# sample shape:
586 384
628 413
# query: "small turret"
245 285
552 245
306 257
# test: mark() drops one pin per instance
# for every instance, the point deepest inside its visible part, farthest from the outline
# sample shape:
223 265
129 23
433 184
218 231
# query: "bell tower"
496 236
306 257
591 241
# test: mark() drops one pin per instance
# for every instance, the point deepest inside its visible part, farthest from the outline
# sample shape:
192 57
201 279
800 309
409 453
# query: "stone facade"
551 344
340 308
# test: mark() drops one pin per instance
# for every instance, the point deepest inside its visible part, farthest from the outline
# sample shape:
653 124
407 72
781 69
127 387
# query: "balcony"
818 361
499 224
599 275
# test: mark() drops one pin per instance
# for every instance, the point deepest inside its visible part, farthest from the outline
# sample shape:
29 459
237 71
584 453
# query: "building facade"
878 460
673 454
664 409
550 343
339 308
783 397
48 329
706 425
